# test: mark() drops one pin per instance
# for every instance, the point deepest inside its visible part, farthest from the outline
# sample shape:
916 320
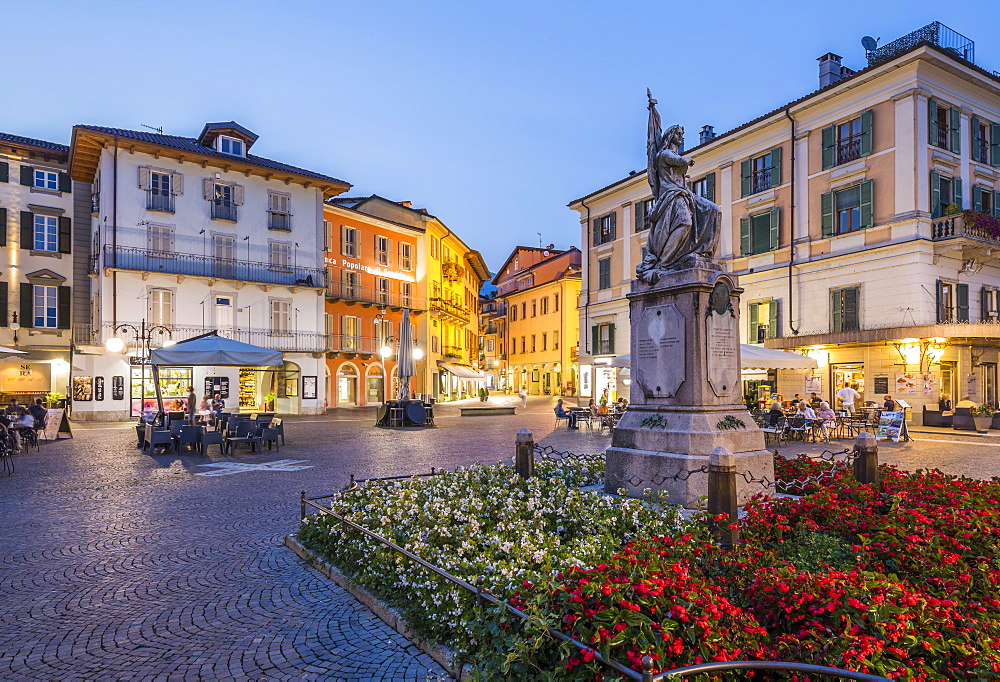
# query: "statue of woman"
682 223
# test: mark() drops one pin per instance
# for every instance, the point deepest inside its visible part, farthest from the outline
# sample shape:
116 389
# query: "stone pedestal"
686 393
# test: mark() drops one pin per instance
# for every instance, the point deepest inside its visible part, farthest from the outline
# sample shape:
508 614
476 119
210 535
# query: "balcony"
449 311
452 352
338 290
279 221
156 201
347 343
849 149
192 265
288 342
224 210
760 180
973 224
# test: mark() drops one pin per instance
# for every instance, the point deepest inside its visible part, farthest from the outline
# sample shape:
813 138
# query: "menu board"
56 425
218 385
892 426
906 384
118 388
881 386
98 388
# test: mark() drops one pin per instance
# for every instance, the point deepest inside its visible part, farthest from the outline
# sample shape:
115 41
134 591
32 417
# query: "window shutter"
932 121
62 312
4 172
3 227
851 321
836 310
144 178
611 338
27 175
744 236
935 194
977 198
984 304
752 312
745 178
775 166
829 147
596 334
65 184
177 184
867 197
238 195
996 204
65 235
597 231
956 136
956 191
4 313
963 302
772 320
995 144
866 132
974 125
208 189
27 315
710 186
942 314
774 219
27 230
640 215
826 214
613 226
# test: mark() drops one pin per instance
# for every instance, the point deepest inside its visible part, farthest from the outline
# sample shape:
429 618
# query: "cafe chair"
247 433
776 431
210 437
278 425
268 436
156 437
188 435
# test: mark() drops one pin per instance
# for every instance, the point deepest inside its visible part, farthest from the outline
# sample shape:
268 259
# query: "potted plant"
269 401
484 395
53 398
982 415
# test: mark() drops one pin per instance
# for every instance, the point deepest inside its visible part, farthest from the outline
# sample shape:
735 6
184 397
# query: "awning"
752 357
214 351
463 371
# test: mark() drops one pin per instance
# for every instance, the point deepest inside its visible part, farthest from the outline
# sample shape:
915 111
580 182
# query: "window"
524 310
230 145
383 330
224 201
763 321
513 313
847 141
604 273
555 340
982 135
761 173
989 305
985 200
555 303
943 126
279 256
435 344
159 196
382 250
534 307
280 317
161 241
349 241
705 187
46 307
545 341
489 346
161 307
952 302
46 233
642 210
845 310
382 288
533 348
327 236
349 278
434 248
759 233
44 179
279 212
405 256
523 346
545 305
604 229
603 338
847 210
945 191
405 294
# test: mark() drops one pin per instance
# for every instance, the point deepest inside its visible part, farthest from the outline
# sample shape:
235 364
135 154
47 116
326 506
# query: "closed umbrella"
405 367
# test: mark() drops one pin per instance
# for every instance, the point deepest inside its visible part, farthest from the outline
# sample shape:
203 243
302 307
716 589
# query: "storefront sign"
118 388
218 385
308 388
972 386
98 388
369 269
24 378
586 390
83 389
892 426
814 384
136 360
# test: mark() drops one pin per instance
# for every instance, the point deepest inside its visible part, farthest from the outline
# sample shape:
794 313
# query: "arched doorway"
287 388
347 385
375 385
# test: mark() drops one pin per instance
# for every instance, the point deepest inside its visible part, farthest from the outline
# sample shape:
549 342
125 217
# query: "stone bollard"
722 495
524 460
866 459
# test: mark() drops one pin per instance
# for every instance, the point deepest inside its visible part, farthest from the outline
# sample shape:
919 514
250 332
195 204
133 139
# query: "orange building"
373 272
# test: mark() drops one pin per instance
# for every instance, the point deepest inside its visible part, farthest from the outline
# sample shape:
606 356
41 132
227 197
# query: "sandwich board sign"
56 425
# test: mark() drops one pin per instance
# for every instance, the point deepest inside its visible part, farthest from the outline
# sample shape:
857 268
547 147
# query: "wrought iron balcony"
453 352
340 290
193 265
761 180
444 308
849 149
348 343
224 210
286 341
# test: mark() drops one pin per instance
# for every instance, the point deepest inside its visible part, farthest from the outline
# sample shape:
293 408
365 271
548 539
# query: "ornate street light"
144 335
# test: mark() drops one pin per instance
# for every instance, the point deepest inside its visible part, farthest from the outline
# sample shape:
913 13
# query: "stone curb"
443 656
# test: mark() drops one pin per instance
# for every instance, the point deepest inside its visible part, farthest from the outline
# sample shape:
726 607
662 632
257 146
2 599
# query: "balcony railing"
160 202
446 307
975 224
981 151
192 265
279 221
943 135
223 210
355 292
849 149
290 341
452 352
761 180
347 343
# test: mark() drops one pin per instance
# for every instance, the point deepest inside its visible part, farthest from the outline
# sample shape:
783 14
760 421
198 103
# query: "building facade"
539 288
492 346
861 220
191 235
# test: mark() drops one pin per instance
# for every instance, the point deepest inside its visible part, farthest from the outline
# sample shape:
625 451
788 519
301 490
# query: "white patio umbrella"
405 367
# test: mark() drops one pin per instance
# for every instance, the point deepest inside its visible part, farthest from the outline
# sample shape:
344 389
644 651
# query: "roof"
213 130
350 204
780 110
190 144
571 252
519 249
7 138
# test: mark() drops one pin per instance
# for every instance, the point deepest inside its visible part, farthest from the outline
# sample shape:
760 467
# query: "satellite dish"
545 253
869 43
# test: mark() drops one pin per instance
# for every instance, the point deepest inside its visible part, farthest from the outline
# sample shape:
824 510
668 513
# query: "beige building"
539 288
861 219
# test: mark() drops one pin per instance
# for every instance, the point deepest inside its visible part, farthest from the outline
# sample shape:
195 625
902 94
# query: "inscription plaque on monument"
660 351
722 337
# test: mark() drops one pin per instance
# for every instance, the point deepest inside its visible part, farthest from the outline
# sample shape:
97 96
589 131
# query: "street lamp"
144 335
14 326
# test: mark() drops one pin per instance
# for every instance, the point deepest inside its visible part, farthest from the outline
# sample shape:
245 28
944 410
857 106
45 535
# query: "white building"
190 236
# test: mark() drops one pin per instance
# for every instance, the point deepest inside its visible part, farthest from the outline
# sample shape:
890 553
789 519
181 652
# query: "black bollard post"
866 459
524 459
722 496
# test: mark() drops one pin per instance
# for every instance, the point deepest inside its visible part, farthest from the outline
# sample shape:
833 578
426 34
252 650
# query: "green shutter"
745 178
829 147
640 216
3 227
851 318
984 304
956 191
775 166
932 121
963 302
996 204
977 198
774 220
596 334
995 144
935 194
956 133
772 320
836 310
27 230
752 313
826 214
65 235
974 125
942 313
3 304
744 236
27 316
63 311
710 186
611 338
613 231
4 171
866 132
867 196
597 231
27 175
65 184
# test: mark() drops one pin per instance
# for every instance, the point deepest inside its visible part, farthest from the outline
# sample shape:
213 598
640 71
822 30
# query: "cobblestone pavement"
116 564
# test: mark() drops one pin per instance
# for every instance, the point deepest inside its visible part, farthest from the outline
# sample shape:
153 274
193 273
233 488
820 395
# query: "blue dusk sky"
493 116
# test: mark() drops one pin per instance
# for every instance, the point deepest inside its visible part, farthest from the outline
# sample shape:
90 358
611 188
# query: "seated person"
945 404
889 405
561 413
829 418
815 400
805 410
38 411
966 401
775 414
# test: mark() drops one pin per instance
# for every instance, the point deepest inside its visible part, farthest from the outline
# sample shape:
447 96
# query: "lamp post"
391 343
144 335
14 326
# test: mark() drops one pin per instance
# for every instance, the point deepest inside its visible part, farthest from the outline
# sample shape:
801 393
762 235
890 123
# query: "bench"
486 411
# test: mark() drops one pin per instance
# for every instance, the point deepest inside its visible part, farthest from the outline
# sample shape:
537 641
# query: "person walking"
848 395
524 396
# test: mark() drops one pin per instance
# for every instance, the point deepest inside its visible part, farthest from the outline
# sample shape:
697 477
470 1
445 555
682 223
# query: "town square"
412 361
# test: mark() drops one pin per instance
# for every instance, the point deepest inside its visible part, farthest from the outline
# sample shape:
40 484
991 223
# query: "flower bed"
898 582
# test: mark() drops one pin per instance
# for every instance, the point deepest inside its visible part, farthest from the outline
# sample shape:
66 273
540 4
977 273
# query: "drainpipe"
791 229
585 332
114 240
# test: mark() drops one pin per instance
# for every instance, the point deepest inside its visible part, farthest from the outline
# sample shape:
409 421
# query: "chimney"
830 69
707 134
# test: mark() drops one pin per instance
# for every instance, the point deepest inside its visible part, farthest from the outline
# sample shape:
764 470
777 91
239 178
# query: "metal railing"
365 294
943 135
194 265
936 33
760 180
348 343
159 202
849 149
291 341
441 305
279 221
224 210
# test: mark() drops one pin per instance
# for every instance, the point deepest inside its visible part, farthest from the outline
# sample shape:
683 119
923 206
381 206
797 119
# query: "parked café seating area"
228 430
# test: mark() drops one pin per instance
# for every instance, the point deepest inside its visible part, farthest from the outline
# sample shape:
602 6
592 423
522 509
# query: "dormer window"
230 145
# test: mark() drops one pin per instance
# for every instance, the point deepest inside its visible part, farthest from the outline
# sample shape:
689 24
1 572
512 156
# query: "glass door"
989 382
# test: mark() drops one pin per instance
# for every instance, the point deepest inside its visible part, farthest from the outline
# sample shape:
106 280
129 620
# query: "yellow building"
539 288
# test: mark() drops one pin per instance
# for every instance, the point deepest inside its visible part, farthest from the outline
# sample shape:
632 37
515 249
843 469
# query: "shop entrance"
175 385
758 389
848 375
347 385
949 381
375 382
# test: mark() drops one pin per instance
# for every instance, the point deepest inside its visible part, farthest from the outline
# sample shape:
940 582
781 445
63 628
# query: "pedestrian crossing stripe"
227 468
